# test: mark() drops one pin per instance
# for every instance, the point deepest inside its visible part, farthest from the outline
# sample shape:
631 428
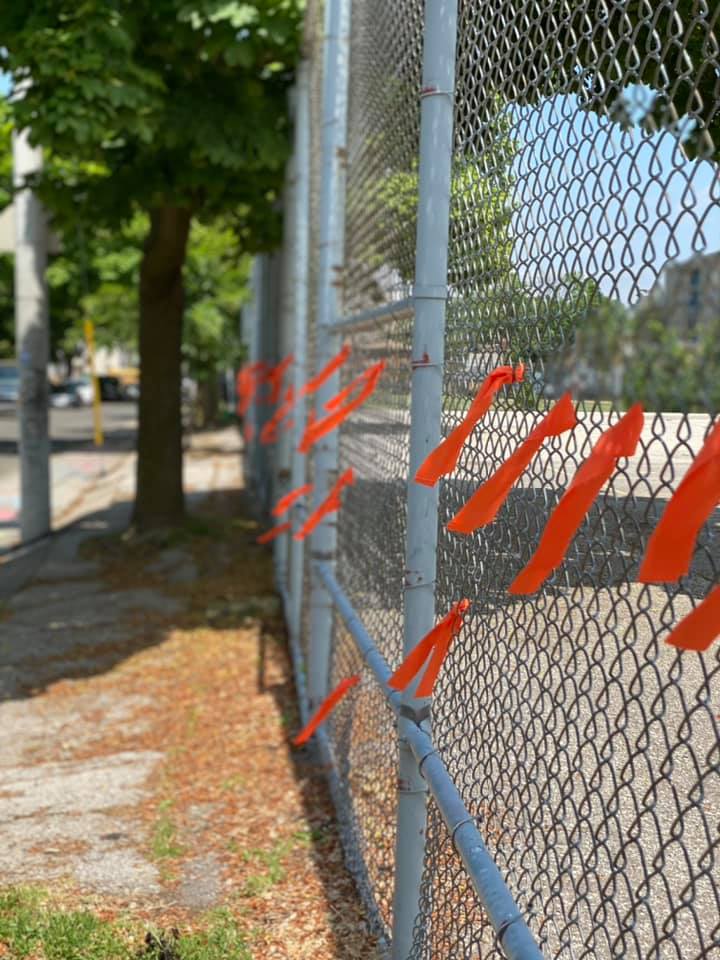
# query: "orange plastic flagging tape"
284 503
484 504
247 382
700 627
269 432
331 503
274 377
325 709
618 441
444 457
274 532
327 371
437 643
669 551
316 429
340 398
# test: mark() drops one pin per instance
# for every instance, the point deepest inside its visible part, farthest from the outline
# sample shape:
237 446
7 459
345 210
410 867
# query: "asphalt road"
70 429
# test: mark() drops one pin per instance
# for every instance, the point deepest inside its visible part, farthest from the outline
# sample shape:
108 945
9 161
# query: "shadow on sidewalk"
92 600
63 619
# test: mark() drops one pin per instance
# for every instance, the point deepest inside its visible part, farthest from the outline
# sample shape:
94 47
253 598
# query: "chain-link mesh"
382 144
584 239
371 538
584 242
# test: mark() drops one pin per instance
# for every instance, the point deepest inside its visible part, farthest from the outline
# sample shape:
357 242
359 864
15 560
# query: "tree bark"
159 500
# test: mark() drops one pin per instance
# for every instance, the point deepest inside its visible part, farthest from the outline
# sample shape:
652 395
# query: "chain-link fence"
582 239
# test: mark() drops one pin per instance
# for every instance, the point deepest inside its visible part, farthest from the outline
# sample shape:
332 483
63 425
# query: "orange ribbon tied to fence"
436 642
284 503
318 428
274 532
325 709
331 503
700 627
247 382
618 441
312 386
270 430
484 504
274 378
669 551
444 457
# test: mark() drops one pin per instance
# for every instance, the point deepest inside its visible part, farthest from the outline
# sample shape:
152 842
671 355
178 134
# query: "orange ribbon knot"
437 642
444 457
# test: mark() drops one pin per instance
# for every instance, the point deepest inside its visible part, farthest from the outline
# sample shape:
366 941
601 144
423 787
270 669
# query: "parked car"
111 388
83 389
9 383
60 396
72 393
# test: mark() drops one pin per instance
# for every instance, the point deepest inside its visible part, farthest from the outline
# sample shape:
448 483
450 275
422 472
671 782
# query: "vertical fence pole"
251 321
286 321
330 265
429 295
301 266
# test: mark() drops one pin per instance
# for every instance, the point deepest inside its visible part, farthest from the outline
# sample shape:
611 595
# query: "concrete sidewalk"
76 466
145 707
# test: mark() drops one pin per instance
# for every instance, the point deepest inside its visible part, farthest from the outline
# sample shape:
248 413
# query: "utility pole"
31 343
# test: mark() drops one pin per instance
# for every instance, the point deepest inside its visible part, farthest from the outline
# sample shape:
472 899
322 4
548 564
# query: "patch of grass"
31 928
273 873
272 861
20 929
165 844
220 940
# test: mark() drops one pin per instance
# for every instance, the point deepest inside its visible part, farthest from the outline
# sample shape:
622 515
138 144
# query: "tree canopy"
172 109
154 101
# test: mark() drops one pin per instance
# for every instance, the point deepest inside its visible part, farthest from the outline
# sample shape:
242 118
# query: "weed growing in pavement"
165 844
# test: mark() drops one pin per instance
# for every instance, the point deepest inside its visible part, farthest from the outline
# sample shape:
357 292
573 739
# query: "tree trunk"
159 500
208 401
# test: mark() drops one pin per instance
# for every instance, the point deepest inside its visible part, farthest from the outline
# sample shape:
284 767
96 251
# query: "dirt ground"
146 708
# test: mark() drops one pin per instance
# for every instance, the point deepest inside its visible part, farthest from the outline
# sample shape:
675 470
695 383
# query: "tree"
175 108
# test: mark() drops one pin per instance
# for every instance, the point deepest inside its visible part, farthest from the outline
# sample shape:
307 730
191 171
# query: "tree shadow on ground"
68 616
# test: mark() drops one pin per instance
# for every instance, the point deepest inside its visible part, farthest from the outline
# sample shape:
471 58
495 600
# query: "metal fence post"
283 450
301 267
330 264
429 295
249 321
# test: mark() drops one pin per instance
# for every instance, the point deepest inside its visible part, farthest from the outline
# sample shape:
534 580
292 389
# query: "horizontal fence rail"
509 925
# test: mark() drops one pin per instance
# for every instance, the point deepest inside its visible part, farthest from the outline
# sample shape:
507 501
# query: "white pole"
330 265
31 343
429 295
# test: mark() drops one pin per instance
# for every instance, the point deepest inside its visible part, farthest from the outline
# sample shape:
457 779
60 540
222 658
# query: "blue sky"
4 84
601 201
